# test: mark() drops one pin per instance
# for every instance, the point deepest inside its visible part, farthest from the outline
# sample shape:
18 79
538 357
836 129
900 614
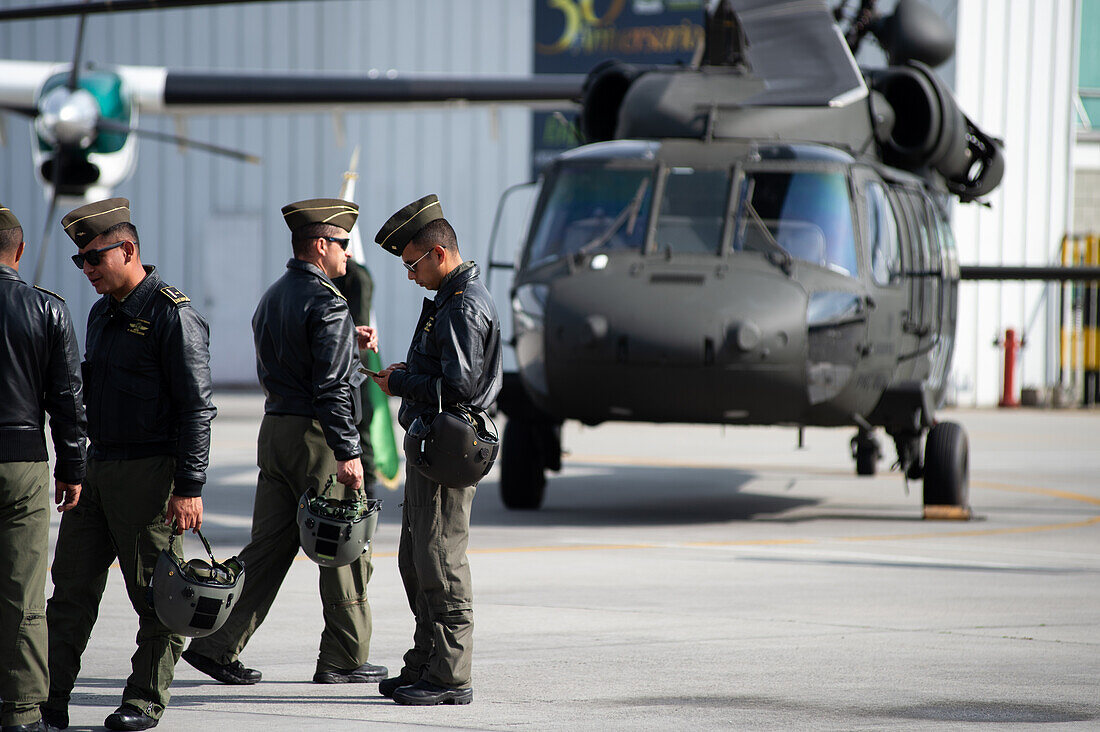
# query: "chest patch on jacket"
173 294
138 326
428 326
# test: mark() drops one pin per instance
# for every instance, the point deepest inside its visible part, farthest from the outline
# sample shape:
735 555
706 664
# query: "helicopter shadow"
599 495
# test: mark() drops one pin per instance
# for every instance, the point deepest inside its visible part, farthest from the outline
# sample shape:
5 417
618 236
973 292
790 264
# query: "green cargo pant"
435 528
120 515
292 456
25 547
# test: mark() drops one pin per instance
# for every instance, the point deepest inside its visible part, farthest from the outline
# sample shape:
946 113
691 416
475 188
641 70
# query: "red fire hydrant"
1012 350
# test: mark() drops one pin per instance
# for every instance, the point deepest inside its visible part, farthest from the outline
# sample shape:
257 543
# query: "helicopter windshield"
807 213
589 207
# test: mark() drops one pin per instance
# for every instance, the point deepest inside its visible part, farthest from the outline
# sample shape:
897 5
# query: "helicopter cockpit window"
807 213
593 208
883 236
693 208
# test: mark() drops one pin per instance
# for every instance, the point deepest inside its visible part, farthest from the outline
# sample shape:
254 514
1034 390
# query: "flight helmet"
455 446
336 532
193 597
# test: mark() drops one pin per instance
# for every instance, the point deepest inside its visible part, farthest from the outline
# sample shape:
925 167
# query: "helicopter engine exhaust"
931 131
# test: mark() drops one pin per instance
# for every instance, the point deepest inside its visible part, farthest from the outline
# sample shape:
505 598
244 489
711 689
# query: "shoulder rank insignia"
137 326
173 294
333 288
48 292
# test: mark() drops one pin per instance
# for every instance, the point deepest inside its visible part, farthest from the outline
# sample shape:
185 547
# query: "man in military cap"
39 372
455 350
147 390
306 359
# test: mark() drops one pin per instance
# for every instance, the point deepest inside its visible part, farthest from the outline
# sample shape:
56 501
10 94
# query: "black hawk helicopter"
758 238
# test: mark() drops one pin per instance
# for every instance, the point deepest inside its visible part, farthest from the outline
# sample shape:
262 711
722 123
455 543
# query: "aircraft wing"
161 90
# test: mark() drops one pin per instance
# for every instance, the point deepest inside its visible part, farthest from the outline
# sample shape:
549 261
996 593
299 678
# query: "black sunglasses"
342 242
94 256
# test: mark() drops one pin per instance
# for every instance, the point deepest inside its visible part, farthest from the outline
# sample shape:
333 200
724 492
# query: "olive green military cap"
87 222
400 228
333 211
7 219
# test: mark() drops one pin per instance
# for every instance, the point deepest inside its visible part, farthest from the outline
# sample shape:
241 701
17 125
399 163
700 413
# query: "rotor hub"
68 117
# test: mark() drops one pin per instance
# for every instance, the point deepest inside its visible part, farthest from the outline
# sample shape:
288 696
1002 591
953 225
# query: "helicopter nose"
701 345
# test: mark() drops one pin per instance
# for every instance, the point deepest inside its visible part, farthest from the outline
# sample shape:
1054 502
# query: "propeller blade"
19 109
74 72
113 126
56 182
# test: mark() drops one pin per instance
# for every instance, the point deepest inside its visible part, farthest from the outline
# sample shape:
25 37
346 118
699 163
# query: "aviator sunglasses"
412 267
95 256
342 242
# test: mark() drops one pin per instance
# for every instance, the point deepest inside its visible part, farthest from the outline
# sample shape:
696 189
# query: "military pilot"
147 392
456 346
39 372
306 357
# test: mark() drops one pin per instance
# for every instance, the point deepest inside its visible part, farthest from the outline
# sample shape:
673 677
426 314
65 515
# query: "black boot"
227 673
365 674
424 694
129 718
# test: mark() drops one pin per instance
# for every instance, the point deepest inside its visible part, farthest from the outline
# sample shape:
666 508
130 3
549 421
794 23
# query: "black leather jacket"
39 372
457 339
147 380
306 353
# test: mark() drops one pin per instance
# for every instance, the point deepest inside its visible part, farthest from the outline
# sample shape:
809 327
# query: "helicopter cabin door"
923 273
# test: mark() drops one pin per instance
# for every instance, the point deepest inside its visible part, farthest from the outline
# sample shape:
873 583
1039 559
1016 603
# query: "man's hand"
187 511
383 378
367 337
350 473
66 495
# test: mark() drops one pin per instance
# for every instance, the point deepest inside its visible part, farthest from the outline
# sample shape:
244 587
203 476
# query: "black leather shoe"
38 726
129 718
426 694
365 674
388 686
227 673
56 718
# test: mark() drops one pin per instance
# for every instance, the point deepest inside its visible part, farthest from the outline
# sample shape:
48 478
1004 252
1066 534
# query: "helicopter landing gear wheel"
947 467
866 451
522 465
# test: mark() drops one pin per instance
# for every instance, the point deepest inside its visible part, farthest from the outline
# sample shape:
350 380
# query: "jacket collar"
456 280
9 273
313 269
135 302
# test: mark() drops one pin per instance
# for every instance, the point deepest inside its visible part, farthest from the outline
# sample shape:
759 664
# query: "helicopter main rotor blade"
112 126
210 91
55 181
108 6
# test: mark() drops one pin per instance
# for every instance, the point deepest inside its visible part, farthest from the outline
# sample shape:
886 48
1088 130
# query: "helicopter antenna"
726 42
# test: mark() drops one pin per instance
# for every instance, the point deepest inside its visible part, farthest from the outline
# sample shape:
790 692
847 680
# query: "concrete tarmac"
686 577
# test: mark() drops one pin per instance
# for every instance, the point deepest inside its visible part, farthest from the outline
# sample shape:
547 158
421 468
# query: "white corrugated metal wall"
212 225
1015 79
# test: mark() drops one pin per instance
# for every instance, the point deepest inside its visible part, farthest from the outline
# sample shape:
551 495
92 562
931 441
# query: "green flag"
386 458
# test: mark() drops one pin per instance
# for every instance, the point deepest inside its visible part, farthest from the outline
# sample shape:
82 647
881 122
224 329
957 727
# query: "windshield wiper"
629 216
777 255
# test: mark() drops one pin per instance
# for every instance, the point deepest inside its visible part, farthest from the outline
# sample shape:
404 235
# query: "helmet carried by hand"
336 532
193 597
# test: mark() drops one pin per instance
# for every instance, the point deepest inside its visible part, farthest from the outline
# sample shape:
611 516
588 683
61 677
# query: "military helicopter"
757 238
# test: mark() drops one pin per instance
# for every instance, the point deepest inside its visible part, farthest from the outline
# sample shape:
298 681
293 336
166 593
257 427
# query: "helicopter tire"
866 458
522 466
947 466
